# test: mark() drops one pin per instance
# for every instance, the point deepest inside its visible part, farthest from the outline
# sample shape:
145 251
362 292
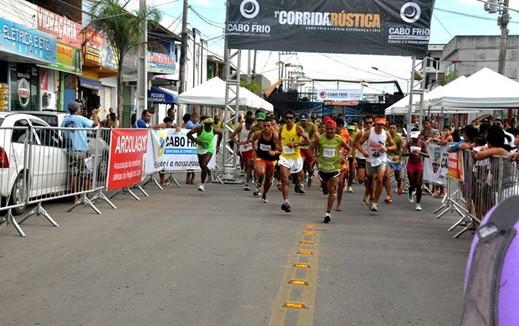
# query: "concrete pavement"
221 257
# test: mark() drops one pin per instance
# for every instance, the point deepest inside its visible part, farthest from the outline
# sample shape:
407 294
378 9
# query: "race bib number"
265 147
329 152
288 150
415 149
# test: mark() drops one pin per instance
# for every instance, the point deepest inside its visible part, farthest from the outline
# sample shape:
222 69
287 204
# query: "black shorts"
325 176
361 163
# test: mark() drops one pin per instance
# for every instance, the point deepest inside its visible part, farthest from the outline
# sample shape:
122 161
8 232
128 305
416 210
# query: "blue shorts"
395 166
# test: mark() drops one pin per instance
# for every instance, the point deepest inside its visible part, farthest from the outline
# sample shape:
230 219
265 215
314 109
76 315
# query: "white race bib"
329 152
288 150
265 147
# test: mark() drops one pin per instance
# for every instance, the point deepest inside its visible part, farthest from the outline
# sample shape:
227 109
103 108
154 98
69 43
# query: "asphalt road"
222 257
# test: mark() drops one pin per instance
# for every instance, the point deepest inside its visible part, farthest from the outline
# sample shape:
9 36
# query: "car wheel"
17 195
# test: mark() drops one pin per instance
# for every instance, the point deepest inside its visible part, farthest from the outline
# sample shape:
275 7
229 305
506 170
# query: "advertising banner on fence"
435 166
398 27
171 150
126 166
340 94
455 166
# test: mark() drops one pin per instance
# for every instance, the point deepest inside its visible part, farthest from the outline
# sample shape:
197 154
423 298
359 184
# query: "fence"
37 166
474 187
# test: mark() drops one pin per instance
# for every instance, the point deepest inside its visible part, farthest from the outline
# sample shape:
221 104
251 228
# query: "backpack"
492 276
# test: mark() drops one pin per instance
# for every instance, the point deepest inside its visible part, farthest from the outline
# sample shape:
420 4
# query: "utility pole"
503 21
183 50
142 69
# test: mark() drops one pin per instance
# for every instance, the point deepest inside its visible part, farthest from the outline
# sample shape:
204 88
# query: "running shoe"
257 192
246 187
366 201
399 191
410 198
327 218
264 199
310 180
350 189
388 200
286 207
201 187
300 188
374 207
418 207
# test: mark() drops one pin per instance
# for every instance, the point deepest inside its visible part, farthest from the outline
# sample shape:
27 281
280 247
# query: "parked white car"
47 168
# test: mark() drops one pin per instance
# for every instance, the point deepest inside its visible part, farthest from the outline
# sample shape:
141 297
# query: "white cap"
415 134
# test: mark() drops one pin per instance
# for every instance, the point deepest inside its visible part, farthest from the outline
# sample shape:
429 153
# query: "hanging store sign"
27 42
67 31
399 27
68 59
161 63
93 50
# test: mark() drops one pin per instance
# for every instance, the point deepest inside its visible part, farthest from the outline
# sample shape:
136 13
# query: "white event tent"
402 106
212 93
484 89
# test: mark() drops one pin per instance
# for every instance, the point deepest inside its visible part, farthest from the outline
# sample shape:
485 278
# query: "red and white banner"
456 166
126 166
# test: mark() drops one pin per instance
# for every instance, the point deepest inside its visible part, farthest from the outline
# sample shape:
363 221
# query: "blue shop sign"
27 42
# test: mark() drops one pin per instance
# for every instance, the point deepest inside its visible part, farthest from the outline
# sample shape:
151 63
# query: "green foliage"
448 78
252 86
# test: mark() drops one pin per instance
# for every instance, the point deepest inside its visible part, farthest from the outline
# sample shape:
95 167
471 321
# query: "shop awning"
162 95
90 83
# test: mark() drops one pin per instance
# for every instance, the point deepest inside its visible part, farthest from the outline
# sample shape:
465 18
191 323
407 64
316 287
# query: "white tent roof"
402 106
484 89
212 93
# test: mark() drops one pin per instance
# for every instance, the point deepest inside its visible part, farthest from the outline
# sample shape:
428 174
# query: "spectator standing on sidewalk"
78 146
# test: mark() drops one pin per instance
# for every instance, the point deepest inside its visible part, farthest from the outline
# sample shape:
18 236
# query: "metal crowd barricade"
14 158
99 154
485 184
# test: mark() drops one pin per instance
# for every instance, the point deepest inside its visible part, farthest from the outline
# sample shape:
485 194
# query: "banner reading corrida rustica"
383 27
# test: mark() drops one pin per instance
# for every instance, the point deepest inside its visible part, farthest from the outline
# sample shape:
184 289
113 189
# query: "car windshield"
1 121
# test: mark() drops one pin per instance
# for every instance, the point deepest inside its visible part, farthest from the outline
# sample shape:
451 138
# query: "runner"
416 149
307 154
379 142
359 161
258 126
352 129
331 158
394 163
341 182
267 150
290 162
205 140
245 148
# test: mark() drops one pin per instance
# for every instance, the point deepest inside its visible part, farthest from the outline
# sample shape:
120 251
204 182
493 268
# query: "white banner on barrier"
171 150
435 167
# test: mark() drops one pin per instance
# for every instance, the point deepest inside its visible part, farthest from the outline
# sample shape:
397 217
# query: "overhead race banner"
399 27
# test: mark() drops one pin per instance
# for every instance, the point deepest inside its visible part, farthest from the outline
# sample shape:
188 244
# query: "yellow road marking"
305 308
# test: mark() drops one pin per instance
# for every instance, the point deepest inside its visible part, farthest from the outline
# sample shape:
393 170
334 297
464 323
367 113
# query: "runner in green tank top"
205 140
330 158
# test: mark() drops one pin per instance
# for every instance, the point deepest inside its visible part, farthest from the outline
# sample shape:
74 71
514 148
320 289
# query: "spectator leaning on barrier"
77 145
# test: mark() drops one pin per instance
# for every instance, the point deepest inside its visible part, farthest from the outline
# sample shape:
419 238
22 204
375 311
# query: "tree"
123 30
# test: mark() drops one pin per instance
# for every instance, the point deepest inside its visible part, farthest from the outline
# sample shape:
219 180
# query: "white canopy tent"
402 106
484 89
212 93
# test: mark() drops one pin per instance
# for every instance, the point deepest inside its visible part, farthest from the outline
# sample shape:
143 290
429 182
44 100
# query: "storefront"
22 48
